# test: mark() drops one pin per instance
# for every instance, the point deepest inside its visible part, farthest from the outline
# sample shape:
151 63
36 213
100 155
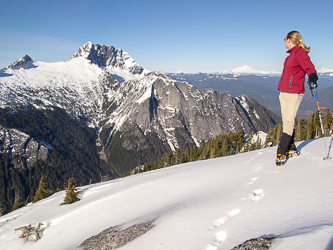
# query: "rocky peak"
100 55
24 62
108 57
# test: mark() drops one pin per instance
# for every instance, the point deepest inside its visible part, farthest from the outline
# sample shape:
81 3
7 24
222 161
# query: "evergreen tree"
42 191
186 155
146 167
163 162
310 128
239 140
327 121
258 143
72 193
206 152
215 148
251 146
171 160
279 132
193 153
228 145
2 209
18 201
300 129
270 138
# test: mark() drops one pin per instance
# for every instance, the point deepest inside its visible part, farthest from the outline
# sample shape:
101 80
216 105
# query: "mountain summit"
117 62
24 62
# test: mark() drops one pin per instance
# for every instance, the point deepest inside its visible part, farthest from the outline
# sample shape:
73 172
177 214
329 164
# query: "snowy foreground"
204 205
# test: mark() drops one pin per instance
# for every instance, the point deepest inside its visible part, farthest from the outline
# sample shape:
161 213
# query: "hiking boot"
280 160
292 153
284 144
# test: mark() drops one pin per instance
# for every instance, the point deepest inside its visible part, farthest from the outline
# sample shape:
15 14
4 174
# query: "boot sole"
280 163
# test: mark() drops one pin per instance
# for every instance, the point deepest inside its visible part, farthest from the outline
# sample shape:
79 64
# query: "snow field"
205 205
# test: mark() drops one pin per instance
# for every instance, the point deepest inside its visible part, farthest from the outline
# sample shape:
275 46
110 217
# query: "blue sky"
168 35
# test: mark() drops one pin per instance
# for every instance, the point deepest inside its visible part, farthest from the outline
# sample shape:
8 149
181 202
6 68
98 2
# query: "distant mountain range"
259 85
247 70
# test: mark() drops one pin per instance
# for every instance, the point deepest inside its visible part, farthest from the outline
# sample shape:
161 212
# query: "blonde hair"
296 39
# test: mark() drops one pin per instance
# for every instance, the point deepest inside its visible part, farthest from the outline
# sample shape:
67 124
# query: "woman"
291 85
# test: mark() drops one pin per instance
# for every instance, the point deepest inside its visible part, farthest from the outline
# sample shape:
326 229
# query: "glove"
313 78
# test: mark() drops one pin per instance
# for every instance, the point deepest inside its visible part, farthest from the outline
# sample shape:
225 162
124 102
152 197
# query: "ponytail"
303 46
296 39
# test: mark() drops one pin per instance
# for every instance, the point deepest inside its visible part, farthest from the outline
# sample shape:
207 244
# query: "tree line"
237 142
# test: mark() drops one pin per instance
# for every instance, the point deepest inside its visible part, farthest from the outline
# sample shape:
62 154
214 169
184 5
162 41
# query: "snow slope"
62 84
204 205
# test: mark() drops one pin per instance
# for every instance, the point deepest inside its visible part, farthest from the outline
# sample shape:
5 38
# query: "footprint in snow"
259 153
252 181
257 168
224 218
220 237
257 195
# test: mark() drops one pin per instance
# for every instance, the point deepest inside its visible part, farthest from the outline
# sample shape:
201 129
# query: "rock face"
23 63
255 244
113 238
183 115
157 114
100 55
21 148
108 57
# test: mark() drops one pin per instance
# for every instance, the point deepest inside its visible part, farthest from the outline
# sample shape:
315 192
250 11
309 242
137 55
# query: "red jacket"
296 65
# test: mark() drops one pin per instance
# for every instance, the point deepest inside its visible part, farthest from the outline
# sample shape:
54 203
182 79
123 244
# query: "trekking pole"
314 87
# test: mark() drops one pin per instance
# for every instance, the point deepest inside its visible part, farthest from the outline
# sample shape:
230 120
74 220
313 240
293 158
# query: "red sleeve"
304 61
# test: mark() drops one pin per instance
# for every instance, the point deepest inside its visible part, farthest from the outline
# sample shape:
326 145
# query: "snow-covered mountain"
247 70
206 205
325 70
154 103
325 73
72 85
95 127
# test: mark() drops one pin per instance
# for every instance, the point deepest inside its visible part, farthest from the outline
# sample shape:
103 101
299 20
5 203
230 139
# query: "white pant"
289 106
